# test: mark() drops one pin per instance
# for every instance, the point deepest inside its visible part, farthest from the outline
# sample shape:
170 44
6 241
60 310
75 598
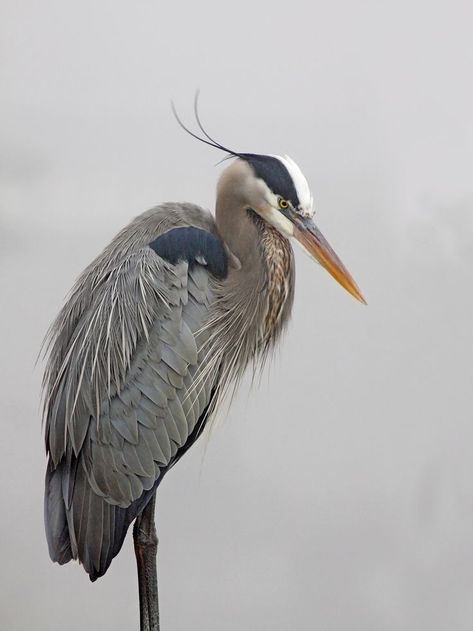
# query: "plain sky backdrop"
337 494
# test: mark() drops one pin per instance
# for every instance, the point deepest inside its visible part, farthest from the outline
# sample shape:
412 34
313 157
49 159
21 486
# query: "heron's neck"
263 286
276 254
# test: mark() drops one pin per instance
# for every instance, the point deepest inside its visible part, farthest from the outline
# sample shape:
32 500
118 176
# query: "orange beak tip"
315 244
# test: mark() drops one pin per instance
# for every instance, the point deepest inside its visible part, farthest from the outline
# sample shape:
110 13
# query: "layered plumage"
139 356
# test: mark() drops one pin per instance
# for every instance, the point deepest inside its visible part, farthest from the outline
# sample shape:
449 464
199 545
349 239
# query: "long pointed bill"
317 246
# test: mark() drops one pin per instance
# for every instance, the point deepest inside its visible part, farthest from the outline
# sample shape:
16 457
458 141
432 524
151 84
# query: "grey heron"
154 333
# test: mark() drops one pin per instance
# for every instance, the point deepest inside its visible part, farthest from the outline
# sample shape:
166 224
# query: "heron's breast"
279 264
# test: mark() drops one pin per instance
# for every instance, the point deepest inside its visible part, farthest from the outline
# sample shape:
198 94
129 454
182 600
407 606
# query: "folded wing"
125 397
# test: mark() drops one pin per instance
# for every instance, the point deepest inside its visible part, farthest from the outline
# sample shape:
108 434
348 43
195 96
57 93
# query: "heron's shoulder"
144 229
176 232
194 246
167 215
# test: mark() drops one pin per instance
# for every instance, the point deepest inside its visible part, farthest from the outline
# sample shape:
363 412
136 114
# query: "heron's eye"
283 203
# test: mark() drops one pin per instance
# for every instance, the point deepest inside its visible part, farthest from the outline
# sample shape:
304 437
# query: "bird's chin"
276 219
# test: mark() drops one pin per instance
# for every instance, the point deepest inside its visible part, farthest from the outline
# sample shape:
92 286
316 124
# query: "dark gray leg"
146 547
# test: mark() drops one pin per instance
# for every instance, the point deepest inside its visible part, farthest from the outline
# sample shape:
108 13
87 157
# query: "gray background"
338 494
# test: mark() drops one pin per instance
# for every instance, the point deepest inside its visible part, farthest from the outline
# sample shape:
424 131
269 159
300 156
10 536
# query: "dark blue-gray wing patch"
191 244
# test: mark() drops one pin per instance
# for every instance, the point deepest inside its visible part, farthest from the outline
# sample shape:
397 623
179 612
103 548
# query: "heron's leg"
146 547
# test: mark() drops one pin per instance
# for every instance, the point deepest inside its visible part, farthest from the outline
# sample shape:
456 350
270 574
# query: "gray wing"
124 396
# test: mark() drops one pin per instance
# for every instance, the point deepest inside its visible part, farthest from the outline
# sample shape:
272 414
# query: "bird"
155 333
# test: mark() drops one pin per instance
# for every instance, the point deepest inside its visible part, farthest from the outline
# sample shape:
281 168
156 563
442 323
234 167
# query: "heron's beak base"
317 246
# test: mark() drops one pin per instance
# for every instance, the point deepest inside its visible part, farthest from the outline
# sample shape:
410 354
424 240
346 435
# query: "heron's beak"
317 246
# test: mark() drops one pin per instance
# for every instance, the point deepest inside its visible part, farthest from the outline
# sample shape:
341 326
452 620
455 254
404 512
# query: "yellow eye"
283 203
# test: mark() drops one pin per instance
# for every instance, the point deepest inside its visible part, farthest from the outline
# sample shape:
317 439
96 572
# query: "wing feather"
118 412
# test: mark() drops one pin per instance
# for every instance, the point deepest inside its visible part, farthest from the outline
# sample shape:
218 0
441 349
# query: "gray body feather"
119 396
138 357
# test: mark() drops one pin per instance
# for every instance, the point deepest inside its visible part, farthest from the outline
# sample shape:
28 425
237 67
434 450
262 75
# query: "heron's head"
275 188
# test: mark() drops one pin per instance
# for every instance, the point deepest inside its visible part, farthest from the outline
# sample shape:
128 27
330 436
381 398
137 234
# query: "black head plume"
270 169
208 140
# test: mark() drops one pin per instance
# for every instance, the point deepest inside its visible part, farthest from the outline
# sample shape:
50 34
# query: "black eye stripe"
275 174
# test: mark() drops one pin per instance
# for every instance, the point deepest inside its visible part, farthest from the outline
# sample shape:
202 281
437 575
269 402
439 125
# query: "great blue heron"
154 333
